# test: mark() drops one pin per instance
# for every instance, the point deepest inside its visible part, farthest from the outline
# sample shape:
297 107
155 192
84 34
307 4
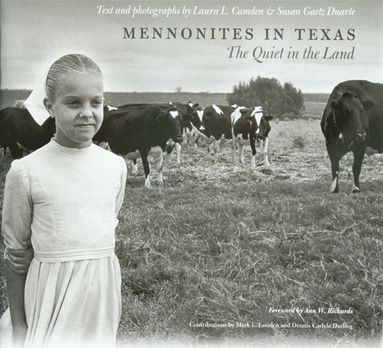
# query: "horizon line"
158 92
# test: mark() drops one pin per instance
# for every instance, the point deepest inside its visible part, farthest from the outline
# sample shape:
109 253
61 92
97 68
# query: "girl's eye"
73 102
97 102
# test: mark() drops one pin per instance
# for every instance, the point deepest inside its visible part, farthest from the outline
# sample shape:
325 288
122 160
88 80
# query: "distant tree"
179 89
268 93
293 102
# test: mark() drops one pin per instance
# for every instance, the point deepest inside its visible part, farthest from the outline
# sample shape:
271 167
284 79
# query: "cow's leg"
218 145
215 146
134 167
145 164
356 168
129 165
187 135
233 144
160 162
196 141
265 151
241 148
211 146
334 159
234 147
208 148
211 149
253 152
178 151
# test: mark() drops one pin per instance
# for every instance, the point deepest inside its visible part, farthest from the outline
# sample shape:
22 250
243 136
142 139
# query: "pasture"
221 251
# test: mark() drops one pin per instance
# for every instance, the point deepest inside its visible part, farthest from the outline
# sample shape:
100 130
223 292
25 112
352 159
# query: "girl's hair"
64 65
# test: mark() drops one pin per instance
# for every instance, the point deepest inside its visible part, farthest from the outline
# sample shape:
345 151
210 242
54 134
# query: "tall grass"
229 254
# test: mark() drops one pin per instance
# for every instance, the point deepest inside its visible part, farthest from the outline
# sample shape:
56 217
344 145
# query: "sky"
35 33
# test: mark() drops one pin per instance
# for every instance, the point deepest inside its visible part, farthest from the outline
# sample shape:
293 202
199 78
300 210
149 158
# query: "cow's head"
193 116
264 127
169 125
254 116
258 122
190 115
349 118
196 125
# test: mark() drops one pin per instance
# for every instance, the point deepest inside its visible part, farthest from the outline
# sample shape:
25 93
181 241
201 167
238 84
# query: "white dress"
61 204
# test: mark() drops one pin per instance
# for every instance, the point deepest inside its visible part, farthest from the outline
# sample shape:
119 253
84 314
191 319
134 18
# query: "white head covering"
36 108
35 102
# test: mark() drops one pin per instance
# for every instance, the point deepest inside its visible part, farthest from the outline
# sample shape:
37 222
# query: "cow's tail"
199 133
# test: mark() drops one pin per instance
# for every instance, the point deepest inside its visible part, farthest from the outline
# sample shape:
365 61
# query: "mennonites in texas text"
248 33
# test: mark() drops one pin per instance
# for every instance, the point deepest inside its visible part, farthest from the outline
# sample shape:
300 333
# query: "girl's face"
77 108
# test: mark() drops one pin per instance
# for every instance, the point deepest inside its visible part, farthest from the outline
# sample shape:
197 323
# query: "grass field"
220 245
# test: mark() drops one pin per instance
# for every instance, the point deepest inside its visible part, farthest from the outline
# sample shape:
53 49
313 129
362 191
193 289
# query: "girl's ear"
48 106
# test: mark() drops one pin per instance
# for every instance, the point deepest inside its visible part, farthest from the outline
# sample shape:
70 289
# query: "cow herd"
351 121
134 130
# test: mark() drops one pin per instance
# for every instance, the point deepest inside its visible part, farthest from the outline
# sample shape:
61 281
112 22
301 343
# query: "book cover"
222 253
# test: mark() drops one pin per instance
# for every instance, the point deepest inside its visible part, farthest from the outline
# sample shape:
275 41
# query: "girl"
59 218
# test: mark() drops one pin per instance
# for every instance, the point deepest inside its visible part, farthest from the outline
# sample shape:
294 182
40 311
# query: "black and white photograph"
189 173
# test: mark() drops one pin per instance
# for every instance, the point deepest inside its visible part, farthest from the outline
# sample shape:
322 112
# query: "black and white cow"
212 126
242 125
249 125
351 121
140 127
183 114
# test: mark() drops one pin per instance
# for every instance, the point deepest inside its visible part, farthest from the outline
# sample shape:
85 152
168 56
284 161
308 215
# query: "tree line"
276 100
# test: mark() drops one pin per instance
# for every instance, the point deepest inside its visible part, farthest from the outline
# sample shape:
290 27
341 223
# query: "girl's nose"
86 112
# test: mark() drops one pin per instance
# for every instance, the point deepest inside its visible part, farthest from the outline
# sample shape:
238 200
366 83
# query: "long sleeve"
121 192
17 218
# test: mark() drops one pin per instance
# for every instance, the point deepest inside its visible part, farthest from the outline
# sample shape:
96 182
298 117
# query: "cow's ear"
244 110
268 118
325 127
196 105
367 104
327 120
